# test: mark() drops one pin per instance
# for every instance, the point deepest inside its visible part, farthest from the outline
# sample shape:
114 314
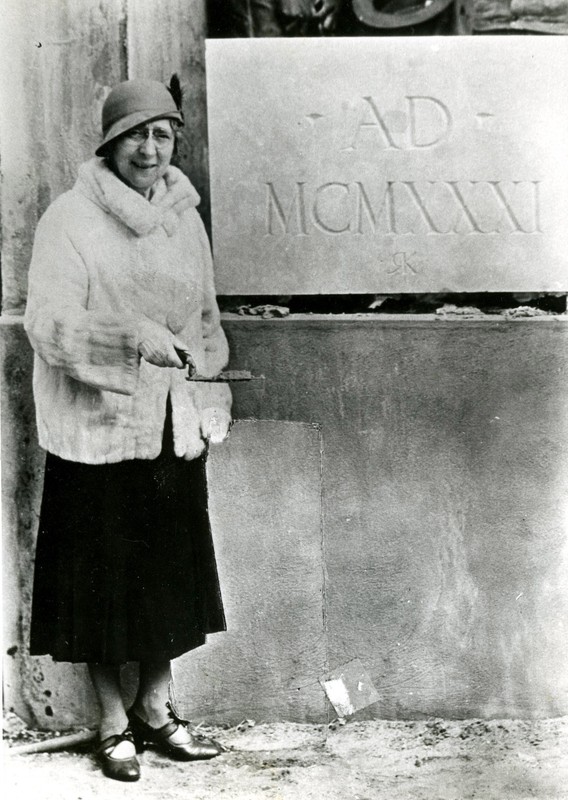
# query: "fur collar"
173 194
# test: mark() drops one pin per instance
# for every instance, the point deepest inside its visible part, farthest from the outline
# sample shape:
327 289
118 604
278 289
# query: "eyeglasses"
159 136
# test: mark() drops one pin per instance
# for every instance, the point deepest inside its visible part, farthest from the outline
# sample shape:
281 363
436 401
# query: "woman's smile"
131 154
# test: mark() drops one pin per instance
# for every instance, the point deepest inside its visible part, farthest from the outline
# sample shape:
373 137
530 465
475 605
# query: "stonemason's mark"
443 208
404 264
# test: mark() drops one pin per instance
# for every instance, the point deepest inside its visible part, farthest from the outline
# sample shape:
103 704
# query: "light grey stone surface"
389 165
444 481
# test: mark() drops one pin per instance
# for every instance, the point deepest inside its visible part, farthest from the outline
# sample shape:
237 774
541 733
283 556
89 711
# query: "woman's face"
142 155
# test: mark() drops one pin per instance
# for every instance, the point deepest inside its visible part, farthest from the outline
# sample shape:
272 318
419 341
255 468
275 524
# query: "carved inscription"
379 169
400 207
426 122
435 208
404 263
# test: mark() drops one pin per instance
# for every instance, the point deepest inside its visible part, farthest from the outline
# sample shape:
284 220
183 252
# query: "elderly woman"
121 297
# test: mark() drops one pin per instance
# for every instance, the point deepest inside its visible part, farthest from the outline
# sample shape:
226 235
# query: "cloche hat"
135 102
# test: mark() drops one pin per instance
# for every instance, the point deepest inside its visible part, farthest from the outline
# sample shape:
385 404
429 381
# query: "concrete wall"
420 526
266 498
445 471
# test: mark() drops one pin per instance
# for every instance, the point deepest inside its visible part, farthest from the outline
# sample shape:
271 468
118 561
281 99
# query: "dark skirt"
125 568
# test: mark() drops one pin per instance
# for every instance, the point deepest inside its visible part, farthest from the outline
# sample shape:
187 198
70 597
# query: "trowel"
227 376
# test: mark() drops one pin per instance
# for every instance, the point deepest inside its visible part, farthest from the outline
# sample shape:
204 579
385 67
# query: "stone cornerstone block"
389 165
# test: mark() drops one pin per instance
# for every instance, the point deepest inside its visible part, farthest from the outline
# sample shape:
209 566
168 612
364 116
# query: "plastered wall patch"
349 688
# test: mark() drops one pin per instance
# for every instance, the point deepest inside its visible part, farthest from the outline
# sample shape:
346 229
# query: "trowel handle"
187 360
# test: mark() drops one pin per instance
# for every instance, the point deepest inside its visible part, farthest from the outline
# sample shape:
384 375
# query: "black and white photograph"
284 399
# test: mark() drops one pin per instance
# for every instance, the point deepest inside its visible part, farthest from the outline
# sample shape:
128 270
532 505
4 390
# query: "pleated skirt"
125 567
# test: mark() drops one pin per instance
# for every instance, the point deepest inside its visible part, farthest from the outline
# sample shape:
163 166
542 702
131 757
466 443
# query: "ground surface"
426 760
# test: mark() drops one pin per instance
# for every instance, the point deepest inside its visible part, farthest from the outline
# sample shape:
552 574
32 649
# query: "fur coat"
105 259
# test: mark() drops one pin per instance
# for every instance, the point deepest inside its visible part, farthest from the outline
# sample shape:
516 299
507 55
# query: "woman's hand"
157 345
215 424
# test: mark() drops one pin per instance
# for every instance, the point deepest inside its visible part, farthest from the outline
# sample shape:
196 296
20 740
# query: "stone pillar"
59 58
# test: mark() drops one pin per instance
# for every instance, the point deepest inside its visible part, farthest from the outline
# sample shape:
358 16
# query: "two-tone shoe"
119 769
197 748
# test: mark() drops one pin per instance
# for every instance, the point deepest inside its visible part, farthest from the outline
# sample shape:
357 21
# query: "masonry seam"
324 562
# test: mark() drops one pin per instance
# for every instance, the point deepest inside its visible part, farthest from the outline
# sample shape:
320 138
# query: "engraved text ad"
424 123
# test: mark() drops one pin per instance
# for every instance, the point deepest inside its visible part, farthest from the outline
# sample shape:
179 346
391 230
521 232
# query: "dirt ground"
426 760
